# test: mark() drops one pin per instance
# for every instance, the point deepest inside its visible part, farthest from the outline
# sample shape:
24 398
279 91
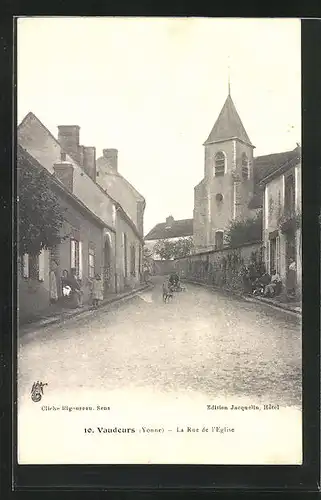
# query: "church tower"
227 187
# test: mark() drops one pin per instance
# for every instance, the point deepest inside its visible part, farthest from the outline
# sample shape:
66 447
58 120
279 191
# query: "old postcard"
159 197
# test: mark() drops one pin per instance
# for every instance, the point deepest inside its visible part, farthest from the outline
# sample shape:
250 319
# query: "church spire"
228 125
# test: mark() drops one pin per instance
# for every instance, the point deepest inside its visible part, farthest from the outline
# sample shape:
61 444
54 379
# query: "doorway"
290 252
107 266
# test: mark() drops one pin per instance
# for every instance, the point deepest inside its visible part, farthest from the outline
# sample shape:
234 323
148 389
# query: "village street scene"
158 279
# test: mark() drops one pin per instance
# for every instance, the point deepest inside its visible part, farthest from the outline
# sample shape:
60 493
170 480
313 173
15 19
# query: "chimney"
68 137
169 222
90 162
111 155
64 171
81 155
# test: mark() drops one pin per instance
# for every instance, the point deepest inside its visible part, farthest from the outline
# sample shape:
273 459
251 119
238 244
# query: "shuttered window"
75 256
245 167
125 254
278 255
268 267
91 261
25 265
132 260
41 265
219 163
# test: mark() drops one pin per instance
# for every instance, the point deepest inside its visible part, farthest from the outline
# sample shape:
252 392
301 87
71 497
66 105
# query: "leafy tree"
164 249
39 213
167 249
183 247
245 231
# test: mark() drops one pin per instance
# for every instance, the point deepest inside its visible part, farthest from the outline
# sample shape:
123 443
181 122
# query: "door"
107 266
290 252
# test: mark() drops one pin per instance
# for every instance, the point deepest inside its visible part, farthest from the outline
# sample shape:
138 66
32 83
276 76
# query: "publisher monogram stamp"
37 391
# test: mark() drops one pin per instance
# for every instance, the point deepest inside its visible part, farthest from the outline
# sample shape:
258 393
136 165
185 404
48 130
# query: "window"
140 259
25 265
245 167
219 239
289 195
125 254
132 260
33 266
274 255
63 156
76 257
219 163
91 261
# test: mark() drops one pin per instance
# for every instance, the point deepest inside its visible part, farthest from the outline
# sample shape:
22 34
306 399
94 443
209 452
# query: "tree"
183 247
245 231
167 249
39 213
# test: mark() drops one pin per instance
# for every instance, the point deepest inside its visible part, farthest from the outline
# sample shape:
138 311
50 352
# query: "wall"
210 214
220 213
163 267
129 281
220 268
200 215
34 294
245 188
122 191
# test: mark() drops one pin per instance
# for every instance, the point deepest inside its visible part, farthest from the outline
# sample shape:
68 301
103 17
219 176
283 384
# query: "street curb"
274 305
37 325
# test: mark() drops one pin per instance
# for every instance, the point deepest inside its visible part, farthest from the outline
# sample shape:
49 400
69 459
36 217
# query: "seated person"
273 287
261 283
171 279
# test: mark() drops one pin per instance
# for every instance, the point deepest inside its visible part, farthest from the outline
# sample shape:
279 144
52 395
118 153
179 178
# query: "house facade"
129 233
171 230
100 237
282 238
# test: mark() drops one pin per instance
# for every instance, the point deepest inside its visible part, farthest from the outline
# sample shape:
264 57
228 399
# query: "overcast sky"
153 88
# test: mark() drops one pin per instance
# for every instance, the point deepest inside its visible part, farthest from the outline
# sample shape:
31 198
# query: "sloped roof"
178 229
34 137
267 165
101 161
228 125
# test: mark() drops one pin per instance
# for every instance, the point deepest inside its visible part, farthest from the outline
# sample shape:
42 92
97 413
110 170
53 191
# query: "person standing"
53 288
291 278
97 291
76 288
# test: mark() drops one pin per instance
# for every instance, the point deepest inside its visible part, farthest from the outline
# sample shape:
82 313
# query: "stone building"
228 184
102 237
171 230
133 204
230 189
282 217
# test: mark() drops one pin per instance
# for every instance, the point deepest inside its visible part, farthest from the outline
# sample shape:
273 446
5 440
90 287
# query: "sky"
153 88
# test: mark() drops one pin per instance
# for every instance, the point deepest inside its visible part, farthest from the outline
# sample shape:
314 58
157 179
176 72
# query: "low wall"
163 267
222 268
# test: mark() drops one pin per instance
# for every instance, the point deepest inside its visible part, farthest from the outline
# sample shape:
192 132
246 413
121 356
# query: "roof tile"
178 229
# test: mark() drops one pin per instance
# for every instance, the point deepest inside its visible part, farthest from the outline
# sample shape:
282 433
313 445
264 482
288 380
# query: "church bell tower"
224 193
